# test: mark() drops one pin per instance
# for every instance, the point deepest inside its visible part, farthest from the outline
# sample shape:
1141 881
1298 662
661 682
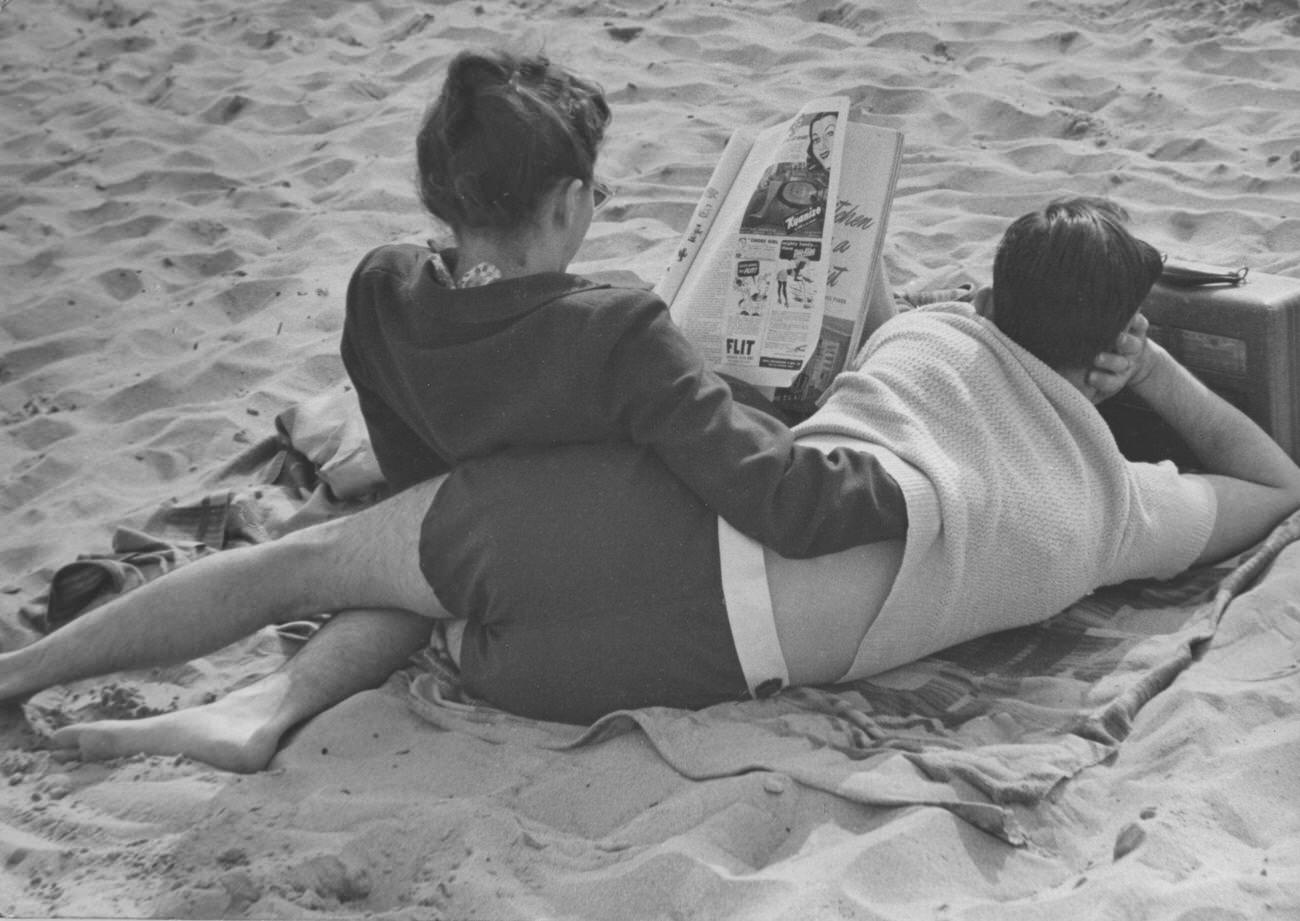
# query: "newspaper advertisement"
861 212
752 293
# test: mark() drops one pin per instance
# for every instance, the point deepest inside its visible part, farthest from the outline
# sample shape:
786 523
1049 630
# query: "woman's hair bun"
502 131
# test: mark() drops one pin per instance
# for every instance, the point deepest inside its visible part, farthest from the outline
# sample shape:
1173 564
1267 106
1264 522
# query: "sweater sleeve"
1170 519
742 463
404 458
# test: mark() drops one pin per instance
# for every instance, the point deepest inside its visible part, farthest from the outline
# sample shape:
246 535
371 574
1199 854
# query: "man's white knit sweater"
1019 502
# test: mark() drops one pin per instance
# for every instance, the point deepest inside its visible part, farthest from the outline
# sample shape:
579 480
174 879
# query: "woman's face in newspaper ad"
821 134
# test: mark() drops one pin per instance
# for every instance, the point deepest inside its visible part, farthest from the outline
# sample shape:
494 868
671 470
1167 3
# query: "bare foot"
240 732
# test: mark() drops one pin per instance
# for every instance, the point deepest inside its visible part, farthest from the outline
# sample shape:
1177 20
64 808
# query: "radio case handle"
1187 275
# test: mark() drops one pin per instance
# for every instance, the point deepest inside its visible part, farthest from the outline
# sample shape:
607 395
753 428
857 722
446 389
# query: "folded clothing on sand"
173 536
319 463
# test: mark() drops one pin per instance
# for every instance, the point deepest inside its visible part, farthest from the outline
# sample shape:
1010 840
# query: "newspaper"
770 281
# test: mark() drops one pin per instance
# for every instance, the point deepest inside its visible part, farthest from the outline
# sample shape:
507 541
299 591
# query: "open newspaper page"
752 300
706 213
871 160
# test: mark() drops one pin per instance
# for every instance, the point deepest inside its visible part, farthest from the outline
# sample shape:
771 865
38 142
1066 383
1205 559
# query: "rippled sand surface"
184 188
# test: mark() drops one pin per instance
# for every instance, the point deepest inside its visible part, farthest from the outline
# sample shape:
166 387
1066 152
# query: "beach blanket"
985 730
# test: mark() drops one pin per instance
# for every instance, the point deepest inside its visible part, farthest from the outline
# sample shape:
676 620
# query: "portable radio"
1239 333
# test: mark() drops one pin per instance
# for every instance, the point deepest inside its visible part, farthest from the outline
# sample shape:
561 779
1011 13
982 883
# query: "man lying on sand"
587 578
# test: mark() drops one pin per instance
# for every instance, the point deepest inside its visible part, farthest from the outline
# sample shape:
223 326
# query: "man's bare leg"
354 651
368 560
880 302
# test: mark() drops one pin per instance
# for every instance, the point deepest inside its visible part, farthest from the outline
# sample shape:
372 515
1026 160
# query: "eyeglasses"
601 193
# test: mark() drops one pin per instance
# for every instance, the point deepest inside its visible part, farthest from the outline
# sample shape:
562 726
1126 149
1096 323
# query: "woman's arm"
742 463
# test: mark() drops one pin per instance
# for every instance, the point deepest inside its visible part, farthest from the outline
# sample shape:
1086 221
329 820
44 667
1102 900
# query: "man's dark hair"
1068 278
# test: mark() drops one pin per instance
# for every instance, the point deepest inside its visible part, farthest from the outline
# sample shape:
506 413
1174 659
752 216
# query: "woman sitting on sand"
589 577
470 350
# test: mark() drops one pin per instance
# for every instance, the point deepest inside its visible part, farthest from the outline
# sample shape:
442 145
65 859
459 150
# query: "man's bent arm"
1255 482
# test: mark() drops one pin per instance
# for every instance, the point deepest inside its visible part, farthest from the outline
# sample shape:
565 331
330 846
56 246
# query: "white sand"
185 188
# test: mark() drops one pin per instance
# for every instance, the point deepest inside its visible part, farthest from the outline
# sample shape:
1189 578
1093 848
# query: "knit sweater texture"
1018 499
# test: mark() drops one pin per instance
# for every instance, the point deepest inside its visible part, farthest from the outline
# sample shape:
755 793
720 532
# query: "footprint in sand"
121 284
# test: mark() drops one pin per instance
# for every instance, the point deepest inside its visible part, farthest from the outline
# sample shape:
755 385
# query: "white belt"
749 612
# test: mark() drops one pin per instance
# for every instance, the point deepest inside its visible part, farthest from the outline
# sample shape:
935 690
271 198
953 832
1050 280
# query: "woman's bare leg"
354 651
368 560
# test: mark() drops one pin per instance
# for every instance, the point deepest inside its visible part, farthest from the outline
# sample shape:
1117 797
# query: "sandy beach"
184 191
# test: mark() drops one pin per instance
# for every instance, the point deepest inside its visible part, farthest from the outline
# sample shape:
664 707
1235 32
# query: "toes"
94 743
67 737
